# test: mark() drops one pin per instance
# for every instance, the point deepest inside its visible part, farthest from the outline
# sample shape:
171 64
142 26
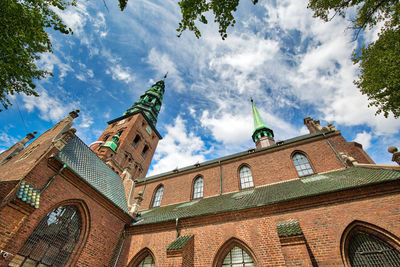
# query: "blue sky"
292 64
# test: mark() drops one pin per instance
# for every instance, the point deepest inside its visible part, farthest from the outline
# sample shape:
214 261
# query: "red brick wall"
322 225
104 227
267 167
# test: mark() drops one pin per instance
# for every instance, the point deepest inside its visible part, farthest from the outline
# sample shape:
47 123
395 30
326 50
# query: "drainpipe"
176 226
220 177
334 150
52 178
120 249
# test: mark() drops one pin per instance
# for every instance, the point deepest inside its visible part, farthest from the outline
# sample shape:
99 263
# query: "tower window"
147 262
302 165
198 188
158 196
246 179
144 152
136 141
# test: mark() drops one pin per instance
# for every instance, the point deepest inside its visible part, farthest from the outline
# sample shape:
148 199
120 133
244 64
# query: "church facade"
312 200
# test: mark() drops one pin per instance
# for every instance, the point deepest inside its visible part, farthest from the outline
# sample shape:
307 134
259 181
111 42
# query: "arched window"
53 240
237 257
302 165
136 141
246 179
144 152
198 188
158 196
365 249
147 262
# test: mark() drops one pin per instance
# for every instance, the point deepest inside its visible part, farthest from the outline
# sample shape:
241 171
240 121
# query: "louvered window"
158 196
53 240
237 257
147 262
302 165
198 188
246 179
368 250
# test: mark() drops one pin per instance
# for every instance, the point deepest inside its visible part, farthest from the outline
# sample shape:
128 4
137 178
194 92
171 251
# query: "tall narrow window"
158 196
136 141
368 250
144 152
246 179
198 188
302 165
237 257
147 262
52 241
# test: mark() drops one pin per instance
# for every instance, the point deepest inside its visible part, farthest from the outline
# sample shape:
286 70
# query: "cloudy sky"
292 64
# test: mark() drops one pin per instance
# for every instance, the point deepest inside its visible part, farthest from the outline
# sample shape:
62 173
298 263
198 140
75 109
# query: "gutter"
52 178
120 249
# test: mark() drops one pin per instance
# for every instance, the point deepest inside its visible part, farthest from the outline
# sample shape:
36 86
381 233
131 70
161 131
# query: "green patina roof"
260 129
113 143
180 242
289 228
236 155
28 194
294 189
84 163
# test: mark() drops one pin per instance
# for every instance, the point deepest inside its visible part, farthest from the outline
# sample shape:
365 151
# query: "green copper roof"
294 189
113 143
260 129
289 228
28 194
180 242
91 169
150 102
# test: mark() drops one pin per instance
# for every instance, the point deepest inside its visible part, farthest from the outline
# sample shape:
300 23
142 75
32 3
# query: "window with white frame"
302 165
246 179
147 262
237 257
198 188
158 196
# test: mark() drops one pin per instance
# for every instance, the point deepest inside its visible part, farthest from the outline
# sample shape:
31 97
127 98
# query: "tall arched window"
53 240
237 257
147 262
198 188
302 165
158 196
246 179
365 249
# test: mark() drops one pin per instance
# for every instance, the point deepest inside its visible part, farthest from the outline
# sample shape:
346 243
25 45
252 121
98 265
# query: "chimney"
396 154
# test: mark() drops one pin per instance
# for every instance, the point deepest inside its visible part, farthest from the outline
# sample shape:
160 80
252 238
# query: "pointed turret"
150 102
262 135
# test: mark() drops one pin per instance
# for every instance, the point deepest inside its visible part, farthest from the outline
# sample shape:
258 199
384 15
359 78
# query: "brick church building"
312 200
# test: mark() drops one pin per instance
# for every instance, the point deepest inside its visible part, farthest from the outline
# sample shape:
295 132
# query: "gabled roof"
290 190
236 155
91 169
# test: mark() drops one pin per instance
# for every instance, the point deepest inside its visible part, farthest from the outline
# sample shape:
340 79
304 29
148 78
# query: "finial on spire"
251 99
165 76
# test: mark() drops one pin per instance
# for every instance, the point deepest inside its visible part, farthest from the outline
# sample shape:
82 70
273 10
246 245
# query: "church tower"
128 143
262 135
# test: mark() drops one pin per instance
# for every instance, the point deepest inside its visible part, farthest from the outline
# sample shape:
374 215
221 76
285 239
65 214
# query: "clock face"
121 122
148 129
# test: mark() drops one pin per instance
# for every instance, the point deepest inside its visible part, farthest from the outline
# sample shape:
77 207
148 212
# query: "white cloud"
121 73
178 148
7 141
364 138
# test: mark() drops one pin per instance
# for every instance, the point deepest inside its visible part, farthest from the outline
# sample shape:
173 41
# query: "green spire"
150 102
260 129
113 143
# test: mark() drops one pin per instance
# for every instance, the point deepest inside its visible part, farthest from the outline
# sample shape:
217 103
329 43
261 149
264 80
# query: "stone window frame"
308 159
199 176
141 255
83 209
155 194
361 226
240 178
227 246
